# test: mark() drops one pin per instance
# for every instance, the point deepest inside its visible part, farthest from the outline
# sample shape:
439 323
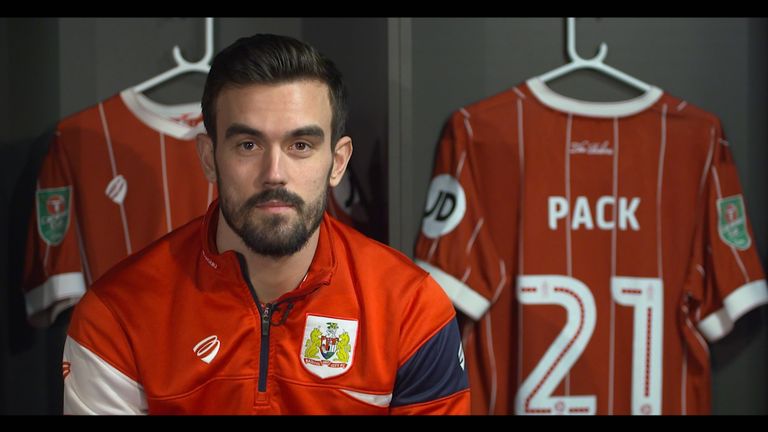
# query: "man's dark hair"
273 59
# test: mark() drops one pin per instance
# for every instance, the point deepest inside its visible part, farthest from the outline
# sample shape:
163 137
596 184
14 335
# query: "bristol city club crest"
328 345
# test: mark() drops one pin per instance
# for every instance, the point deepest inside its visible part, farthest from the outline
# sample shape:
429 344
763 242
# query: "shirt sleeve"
731 278
454 244
100 376
432 378
53 277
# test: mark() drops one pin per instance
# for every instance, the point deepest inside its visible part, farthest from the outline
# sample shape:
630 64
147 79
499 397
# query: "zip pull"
266 318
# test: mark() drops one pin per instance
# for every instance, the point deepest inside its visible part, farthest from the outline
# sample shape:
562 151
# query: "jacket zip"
266 321
266 317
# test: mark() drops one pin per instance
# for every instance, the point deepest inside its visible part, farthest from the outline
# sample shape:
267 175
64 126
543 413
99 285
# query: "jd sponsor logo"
446 205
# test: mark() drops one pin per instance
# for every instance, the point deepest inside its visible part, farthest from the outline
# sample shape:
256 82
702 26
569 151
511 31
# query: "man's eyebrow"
241 129
312 130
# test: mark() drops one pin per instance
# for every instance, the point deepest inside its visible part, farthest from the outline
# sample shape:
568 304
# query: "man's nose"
273 169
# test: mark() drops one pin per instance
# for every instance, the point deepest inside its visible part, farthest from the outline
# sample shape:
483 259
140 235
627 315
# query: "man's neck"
271 277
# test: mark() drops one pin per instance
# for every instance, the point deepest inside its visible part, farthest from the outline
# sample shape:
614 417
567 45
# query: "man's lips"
274 204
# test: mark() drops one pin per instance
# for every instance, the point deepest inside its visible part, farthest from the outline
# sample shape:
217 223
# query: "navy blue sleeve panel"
436 370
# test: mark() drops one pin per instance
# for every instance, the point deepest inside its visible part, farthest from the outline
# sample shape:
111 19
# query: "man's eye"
248 145
301 146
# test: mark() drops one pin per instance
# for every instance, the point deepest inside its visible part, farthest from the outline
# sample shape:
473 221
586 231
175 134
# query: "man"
266 305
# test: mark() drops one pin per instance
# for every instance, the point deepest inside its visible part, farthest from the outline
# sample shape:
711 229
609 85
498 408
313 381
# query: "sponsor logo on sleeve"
328 346
53 214
446 205
732 222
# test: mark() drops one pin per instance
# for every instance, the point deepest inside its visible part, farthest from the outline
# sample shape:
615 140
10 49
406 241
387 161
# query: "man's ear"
341 156
205 151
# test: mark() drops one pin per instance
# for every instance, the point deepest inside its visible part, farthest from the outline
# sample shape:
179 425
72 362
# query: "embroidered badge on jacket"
328 345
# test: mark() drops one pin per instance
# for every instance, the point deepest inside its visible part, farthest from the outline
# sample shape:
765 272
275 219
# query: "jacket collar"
227 266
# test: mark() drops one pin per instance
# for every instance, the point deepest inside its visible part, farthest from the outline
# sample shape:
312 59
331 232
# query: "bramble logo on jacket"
328 345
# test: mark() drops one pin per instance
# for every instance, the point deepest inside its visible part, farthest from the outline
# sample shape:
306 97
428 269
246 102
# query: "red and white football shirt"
594 247
116 177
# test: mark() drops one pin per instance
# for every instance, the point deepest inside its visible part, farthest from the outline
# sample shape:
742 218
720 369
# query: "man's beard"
272 234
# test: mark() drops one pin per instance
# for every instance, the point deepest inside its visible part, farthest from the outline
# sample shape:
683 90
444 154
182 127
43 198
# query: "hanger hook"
180 60
571 29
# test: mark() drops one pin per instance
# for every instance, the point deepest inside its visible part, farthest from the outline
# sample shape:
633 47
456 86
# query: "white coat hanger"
596 63
182 65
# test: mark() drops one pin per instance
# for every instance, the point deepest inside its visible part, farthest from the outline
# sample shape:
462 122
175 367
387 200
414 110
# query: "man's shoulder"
372 255
389 279
156 264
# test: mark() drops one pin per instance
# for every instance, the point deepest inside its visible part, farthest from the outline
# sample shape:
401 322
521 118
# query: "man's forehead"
306 87
306 96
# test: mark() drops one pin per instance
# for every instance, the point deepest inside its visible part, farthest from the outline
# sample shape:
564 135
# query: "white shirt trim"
159 117
58 292
739 302
93 386
463 297
593 109
378 400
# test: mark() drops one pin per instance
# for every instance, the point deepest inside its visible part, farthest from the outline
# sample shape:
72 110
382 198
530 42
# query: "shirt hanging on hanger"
117 176
593 248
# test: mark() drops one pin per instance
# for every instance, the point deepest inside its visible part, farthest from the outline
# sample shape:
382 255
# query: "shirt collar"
226 264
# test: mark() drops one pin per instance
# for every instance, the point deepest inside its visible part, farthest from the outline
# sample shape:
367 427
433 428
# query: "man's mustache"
281 194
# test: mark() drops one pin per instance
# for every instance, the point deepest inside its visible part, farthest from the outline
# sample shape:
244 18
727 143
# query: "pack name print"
603 216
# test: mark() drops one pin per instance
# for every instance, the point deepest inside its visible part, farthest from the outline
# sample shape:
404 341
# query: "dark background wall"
405 78
358 47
